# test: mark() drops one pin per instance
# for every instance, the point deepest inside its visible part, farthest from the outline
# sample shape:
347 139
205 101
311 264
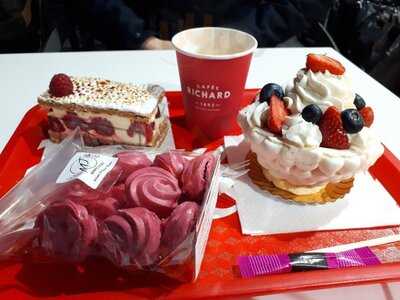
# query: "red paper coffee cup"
213 65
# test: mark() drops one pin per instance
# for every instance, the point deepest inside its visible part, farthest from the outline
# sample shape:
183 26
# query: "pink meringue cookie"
130 161
103 208
178 226
153 188
196 175
79 192
111 178
146 231
66 229
173 162
132 237
118 192
116 240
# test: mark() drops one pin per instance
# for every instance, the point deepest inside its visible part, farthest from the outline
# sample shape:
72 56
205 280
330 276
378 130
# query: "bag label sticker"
90 168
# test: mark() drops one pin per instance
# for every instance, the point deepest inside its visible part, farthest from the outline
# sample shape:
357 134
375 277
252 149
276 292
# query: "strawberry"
331 127
55 124
368 115
321 63
102 126
276 115
149 130
61 85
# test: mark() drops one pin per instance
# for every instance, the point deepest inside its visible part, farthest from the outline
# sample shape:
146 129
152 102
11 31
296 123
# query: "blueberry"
352 120
312 113
359 102
268 90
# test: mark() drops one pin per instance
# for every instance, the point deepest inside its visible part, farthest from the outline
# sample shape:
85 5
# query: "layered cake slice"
107 112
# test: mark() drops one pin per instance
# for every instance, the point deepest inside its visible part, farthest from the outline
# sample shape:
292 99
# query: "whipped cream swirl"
323 89
295 129
301 133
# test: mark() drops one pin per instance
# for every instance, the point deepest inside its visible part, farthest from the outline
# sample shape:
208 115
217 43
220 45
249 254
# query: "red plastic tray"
218 276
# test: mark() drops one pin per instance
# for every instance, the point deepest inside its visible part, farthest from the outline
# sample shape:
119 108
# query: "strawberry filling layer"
100 127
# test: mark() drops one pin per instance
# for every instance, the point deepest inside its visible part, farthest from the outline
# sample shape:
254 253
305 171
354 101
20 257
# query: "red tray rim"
276 283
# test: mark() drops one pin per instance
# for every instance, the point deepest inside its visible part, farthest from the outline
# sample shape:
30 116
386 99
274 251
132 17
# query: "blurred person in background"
17 32
365 31
151 24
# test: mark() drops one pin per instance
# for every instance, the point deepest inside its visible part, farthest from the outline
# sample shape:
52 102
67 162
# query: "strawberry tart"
315 133
107 112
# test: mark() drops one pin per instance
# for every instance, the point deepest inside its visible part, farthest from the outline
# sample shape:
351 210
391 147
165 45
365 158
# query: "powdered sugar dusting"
107 94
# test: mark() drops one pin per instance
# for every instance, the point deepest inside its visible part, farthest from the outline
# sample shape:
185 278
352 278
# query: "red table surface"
218 277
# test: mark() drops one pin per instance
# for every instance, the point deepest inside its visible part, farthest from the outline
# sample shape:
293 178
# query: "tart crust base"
329 193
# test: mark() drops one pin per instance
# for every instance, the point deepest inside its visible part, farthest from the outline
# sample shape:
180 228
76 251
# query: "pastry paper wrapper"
367 205
48 218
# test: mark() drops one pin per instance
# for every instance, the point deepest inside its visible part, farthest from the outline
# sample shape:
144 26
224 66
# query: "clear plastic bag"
138 208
